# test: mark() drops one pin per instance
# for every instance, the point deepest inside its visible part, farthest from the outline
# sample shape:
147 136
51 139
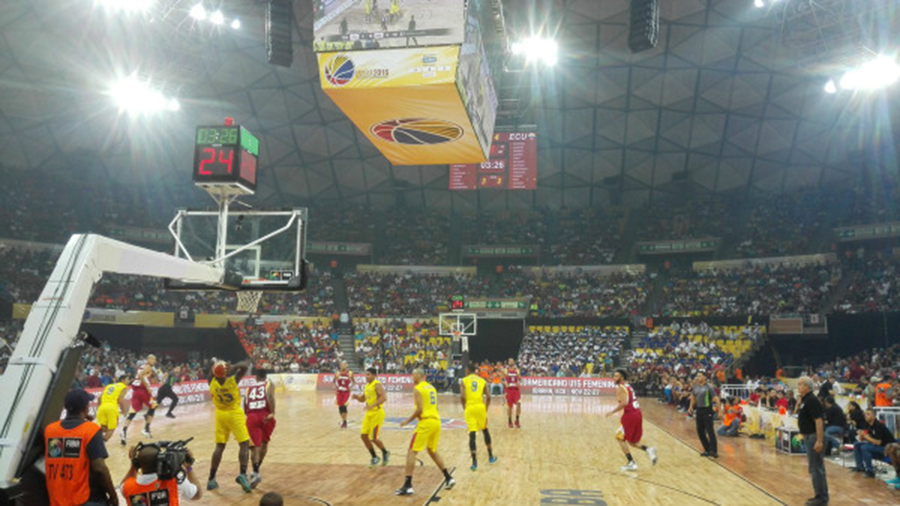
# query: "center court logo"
417 131
339 70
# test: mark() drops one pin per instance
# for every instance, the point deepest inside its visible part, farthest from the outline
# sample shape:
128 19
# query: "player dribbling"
632 428
374 396
140 397
343 380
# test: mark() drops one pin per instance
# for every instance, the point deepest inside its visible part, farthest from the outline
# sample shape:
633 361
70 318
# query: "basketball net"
456 332
248 301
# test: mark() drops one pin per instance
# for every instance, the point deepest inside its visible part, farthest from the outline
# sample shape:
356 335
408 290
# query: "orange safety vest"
67 464
158 493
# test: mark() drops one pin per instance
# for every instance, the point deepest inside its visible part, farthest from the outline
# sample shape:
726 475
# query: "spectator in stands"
856 417
835 425
731 419
871 444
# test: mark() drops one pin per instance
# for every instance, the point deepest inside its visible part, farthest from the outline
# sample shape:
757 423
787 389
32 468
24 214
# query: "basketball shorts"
476 418
513 396
427 435
632 427
232 422
259 429
343 398
108 416
141 398
372 422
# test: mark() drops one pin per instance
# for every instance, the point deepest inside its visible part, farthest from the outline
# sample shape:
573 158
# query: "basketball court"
564 454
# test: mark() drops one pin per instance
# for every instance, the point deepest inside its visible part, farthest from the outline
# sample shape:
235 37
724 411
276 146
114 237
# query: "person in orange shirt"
75 457
884 393
731 419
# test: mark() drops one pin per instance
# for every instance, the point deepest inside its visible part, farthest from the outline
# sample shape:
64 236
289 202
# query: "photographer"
149 487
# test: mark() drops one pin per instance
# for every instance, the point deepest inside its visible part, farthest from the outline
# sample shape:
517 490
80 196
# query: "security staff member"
75 458
705 400
147 489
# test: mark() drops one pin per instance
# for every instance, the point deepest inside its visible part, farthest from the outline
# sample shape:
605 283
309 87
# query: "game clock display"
225 155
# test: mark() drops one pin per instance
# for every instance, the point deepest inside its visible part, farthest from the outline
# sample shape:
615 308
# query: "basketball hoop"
455 335
248 301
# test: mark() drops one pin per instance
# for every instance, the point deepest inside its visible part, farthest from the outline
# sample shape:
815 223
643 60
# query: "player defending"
140 397
632 428
475 401
260 408
374 396
428 432
513 394
112 403
343 379
230 419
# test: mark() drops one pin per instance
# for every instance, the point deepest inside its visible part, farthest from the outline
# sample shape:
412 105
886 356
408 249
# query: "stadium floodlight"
538 49
137 97
877 73
236 24
217 18
830 87
198 12
759 4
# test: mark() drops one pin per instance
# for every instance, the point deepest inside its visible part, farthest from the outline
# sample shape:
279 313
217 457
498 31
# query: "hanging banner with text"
867 232
681 246
500 251
512 165
338 248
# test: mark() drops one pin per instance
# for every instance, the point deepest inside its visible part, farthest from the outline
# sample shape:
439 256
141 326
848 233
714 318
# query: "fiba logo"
417 131
340 70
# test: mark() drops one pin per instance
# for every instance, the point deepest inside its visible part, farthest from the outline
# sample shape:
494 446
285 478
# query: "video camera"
170 460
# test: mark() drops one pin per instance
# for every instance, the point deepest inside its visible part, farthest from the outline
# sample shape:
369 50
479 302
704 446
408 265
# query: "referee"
706 402
166 392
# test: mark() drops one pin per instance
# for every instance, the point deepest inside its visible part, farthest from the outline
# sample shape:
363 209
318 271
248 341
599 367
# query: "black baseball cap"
76 401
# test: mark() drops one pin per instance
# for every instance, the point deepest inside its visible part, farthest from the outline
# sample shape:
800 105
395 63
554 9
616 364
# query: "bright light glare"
759 4
236 24
137 97
830 87
881 72
217 18
127 5
538 49
198 12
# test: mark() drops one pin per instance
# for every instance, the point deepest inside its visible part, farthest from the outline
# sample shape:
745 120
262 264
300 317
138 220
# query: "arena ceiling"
730 100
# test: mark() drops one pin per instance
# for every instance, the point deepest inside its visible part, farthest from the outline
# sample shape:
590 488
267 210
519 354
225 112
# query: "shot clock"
225 158
457 303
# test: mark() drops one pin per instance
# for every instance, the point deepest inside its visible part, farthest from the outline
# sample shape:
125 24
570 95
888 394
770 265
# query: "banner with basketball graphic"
406 102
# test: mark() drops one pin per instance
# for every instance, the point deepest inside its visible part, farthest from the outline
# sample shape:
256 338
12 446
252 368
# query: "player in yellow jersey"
230 419
428 432
374 396
475 401
112 403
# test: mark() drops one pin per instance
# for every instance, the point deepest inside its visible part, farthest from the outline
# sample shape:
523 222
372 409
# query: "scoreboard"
512 165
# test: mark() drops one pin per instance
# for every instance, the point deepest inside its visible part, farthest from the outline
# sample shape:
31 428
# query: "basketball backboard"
264 250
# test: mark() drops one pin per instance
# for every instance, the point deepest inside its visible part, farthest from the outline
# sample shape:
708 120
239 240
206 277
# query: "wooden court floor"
564 454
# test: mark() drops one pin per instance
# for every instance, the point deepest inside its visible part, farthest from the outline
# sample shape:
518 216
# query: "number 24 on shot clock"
225 155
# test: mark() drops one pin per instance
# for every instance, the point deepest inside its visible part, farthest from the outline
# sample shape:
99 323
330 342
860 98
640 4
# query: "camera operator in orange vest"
147 488
75 458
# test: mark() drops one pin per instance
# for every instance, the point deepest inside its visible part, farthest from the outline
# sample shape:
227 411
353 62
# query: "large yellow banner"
405 101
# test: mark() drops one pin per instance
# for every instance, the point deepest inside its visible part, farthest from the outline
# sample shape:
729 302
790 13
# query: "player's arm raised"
417 413
239 369
621 398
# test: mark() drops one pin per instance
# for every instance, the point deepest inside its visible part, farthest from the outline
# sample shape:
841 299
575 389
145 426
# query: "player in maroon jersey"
343 380
259 404
513 394
140 397
632 429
